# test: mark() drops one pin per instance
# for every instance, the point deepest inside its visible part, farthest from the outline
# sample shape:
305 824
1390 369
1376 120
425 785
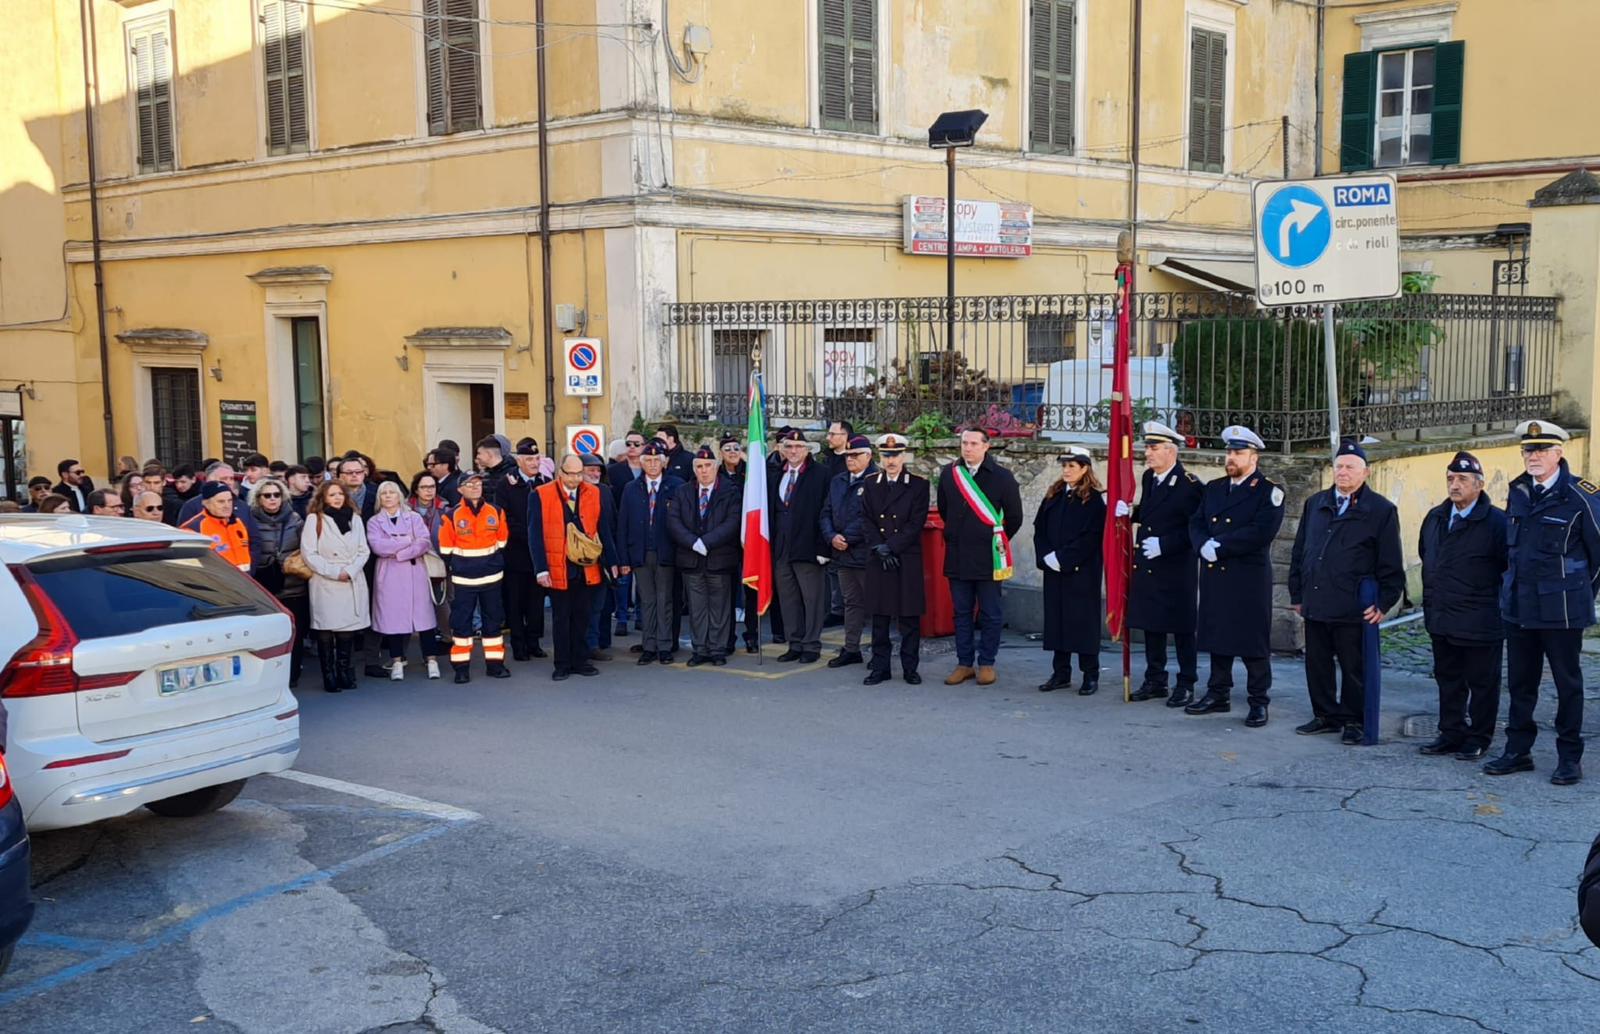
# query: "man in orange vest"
473 544
228 534
569 500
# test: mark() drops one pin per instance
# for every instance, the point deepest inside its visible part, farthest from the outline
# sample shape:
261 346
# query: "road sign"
586 438
584 374
1334 239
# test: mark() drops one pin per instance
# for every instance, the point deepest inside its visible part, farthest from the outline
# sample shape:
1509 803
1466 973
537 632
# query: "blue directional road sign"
1296 226
1333 239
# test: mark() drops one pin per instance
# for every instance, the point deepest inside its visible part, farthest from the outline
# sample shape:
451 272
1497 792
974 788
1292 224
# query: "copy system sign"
584 375
1335 239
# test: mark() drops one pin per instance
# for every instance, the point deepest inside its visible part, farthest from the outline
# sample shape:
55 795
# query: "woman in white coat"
334 545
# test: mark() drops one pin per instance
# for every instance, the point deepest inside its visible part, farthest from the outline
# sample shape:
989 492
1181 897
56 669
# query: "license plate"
197 676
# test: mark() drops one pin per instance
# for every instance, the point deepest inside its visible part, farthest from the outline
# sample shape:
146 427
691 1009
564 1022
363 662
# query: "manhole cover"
1419 726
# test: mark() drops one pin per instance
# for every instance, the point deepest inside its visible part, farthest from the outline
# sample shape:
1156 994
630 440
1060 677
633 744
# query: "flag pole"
1121 450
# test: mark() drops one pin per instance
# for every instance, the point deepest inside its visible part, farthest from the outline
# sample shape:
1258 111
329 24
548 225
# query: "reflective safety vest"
229 538
474 541
552 498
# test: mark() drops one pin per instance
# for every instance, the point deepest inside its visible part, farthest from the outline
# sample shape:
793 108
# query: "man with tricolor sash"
981 507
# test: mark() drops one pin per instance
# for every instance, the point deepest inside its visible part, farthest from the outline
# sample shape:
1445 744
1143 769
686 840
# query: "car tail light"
43 667
5 783
89 759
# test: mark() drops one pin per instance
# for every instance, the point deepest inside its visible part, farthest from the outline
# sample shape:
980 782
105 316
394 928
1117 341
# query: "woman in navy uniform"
1547 599
1161 593
894 502
1239 516
1067 533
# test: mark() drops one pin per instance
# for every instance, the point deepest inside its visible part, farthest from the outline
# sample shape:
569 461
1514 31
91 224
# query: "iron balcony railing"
1200 362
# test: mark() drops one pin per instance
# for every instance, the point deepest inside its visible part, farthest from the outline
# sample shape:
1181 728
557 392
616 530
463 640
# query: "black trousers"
524 603
1257 678
740 595
1527 649
1061 663
569 616
1327 643
1468 674
910 643
1155 659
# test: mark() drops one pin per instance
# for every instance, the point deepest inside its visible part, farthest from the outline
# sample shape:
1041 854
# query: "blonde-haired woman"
1067 533
402 601
334 546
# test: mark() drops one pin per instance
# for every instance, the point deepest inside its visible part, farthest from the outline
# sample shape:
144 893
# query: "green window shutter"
849 65
151 59
864 66
1449 84
1041 74
1051 36
283 63
433 60
461 60
1357 119
835 86
1208 90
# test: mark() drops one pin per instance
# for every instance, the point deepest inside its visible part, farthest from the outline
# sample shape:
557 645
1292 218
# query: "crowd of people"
472 555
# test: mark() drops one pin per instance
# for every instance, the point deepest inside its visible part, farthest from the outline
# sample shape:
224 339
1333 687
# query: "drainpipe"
544 238
1322 25
90 60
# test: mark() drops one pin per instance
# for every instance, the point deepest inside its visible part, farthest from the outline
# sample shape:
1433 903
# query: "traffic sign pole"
1330 347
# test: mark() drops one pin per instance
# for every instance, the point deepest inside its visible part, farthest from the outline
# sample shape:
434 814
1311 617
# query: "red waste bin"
939 617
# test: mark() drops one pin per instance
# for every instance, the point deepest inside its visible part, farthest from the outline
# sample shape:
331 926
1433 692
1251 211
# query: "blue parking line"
81 945
114 953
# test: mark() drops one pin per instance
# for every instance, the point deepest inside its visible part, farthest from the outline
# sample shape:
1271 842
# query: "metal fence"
1042 363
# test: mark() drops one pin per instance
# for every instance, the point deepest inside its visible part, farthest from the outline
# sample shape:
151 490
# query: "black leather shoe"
499 671
751 647
1506 764
375 671
636 648
1149 691
810 658
588 671
1181 697
1257 716
1566 773
789 655
1055 682
1090 684
846 658
560 676
1439 745
462 675
1351 736
1317 726
536 653
665 657
695 660
519 653
1211 703
1472 752
646 658
875 677
911 678
719 662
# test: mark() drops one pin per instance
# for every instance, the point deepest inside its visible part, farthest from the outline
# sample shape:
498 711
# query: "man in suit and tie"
703 520
1161 595
644 549
799 552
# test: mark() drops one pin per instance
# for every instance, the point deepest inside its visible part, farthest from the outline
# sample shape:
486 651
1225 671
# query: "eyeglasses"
270 495
149 509
76 473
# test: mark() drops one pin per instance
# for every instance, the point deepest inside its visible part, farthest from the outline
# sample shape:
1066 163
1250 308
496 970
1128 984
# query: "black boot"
325 661
345 657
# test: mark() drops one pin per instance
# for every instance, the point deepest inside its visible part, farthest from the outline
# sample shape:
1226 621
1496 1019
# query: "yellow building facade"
318 223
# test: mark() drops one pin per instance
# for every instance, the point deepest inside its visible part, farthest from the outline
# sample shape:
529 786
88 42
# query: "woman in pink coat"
402 602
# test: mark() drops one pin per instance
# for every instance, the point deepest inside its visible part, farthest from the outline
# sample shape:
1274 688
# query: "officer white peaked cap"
1156 431
1542 432
1237 437
892 443
1075 452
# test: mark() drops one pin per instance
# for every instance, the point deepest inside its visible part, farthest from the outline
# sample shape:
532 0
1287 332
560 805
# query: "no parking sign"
584 439
584 374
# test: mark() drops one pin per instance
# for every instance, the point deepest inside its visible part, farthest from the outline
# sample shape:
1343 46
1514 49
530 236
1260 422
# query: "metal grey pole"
1329 345
950 258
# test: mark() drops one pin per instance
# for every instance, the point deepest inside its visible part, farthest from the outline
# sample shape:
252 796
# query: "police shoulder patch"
1191 477
1277 496
1588 487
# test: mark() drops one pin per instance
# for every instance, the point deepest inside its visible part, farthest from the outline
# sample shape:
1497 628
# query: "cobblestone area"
1407 648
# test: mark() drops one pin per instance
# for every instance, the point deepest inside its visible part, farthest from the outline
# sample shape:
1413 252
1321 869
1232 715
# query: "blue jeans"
983 596
622 597
599 636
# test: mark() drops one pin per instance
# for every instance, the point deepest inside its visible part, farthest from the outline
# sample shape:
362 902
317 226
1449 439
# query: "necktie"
705 501
1454 517
1538 492
788 486
1344 504
652 487
572 499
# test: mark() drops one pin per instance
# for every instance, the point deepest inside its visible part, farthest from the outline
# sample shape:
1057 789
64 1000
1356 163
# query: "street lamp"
951 130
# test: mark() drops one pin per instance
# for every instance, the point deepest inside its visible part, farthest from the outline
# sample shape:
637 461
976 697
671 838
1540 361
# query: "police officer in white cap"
1548 597
1239 516
1161 594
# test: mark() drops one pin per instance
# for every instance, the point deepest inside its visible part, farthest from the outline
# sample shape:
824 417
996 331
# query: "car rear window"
121 593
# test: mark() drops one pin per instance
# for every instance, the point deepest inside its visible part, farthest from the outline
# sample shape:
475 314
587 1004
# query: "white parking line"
447 812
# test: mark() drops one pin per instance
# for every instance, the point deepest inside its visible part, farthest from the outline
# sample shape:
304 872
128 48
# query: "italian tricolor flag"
756 534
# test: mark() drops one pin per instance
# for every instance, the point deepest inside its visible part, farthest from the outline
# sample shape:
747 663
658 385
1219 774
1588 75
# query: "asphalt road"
781 849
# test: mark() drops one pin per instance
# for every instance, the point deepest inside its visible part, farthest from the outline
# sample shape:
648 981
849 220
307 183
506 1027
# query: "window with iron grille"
452 59
283 62
150 69
849 87
1050 50
1052 339
1208 93
175 408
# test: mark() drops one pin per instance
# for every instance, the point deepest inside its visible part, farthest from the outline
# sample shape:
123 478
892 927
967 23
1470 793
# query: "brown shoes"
986 676
960 675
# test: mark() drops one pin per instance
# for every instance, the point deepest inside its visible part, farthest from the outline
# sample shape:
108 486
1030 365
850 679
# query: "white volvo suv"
140 669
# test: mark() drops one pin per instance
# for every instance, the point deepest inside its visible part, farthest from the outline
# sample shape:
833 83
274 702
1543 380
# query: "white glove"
1051 562
1152 548
699 546
1123 509
1209 550
822 560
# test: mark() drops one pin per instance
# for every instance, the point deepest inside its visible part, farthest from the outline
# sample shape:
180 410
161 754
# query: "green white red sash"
985 512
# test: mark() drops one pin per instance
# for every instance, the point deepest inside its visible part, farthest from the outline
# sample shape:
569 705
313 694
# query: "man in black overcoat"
1161 594
895 504
1239 516
795 498
1463 548
969 555
519 593
703 520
